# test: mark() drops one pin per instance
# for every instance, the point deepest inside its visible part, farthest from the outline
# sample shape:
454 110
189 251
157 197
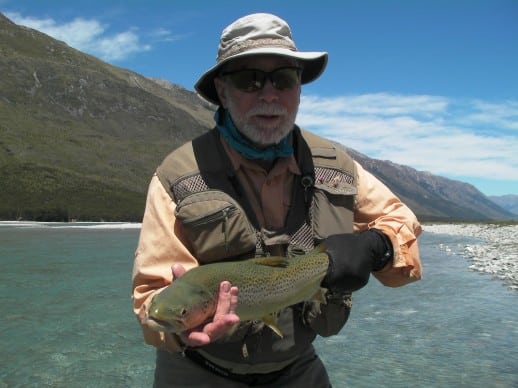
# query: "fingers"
226 300
195 338
225 315
177 270
224 318
234 292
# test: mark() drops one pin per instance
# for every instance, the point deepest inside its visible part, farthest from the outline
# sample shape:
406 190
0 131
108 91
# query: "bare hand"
224 318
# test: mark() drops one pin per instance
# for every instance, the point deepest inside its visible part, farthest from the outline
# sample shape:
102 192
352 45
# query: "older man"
288 190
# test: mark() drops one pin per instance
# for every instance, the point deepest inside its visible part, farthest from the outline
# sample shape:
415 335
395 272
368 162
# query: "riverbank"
494 250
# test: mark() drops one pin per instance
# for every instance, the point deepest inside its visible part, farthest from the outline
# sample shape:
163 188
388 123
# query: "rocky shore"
494 252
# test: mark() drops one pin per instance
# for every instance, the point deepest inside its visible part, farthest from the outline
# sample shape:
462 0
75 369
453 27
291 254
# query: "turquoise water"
67 319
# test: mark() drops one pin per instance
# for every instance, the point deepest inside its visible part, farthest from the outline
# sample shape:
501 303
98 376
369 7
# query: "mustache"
268 110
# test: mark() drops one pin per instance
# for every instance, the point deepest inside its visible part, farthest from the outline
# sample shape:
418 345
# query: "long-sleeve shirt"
162 244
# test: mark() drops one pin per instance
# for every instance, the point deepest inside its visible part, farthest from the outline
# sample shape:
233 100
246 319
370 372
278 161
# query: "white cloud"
382 104
120 46
455 138
87 35
503 116
164 35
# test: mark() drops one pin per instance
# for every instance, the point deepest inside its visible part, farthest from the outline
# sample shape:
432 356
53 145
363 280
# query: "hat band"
253 44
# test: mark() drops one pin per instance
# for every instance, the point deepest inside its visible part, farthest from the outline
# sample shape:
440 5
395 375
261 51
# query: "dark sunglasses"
252 80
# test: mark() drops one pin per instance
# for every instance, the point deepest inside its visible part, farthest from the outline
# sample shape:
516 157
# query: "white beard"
263 135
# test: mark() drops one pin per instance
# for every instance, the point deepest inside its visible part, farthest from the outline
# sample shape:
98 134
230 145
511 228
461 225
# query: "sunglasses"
252 80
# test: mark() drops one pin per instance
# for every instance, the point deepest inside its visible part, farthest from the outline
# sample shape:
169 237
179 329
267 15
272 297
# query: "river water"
67 318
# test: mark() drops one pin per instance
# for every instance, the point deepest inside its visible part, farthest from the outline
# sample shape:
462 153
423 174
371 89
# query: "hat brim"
314 64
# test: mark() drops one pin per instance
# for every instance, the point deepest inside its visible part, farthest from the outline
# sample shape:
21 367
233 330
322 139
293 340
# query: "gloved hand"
352 257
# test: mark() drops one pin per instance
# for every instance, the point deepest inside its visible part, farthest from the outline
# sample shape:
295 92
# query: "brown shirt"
269 192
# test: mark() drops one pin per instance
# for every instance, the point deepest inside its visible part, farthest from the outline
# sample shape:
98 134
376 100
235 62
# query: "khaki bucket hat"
256 34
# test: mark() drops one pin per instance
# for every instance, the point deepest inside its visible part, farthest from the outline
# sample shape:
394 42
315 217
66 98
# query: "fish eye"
183 312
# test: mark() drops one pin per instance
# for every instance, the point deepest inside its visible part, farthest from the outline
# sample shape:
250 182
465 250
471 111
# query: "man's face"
264 116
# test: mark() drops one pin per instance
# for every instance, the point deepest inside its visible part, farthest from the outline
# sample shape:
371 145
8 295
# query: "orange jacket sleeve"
377 207
159 247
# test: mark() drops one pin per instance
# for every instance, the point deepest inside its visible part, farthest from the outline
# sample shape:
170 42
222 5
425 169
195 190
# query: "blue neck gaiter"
246 148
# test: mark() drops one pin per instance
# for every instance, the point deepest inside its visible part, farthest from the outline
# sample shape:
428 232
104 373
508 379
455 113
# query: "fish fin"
320 296
244 350
232 330
271 261
320 248
271 321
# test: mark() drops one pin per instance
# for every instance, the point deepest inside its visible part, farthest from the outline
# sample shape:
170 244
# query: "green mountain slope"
80 135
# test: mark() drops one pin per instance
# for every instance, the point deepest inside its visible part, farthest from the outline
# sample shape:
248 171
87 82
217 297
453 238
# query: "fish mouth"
161 325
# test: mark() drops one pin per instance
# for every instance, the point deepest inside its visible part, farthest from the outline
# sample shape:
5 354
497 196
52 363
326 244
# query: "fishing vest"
219 223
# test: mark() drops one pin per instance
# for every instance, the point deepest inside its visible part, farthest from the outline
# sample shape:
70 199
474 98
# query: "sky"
431 84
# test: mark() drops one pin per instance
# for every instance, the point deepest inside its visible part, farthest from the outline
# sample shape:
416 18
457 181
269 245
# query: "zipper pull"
306 182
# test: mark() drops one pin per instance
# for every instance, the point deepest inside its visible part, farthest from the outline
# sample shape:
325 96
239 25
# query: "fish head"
180 307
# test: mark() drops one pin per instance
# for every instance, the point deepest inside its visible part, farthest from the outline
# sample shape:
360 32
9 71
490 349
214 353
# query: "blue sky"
431 84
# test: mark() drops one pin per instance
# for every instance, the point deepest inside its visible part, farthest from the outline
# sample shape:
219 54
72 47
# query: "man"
258 185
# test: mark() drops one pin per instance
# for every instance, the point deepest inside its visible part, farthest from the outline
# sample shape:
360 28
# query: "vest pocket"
332 210
216 226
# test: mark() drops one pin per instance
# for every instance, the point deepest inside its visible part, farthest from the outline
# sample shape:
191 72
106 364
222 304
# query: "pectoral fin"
320 296
271 321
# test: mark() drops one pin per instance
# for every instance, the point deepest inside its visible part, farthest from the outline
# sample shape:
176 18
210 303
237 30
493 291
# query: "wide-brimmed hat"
255 34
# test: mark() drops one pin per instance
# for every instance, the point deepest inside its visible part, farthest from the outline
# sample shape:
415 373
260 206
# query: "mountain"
80 139
431 196
507 202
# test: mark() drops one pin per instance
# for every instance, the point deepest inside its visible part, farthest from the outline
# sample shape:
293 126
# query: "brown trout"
266 286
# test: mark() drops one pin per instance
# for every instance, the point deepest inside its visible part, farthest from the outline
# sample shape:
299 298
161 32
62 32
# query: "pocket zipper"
221 214
210 217
225 212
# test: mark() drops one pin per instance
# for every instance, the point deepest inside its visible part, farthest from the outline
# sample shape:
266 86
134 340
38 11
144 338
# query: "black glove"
352 257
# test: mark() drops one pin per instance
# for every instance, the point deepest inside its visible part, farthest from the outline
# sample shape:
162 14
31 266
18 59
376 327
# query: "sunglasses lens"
285 78
250 80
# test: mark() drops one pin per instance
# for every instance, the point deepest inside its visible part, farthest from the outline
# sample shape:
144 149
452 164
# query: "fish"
266 286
